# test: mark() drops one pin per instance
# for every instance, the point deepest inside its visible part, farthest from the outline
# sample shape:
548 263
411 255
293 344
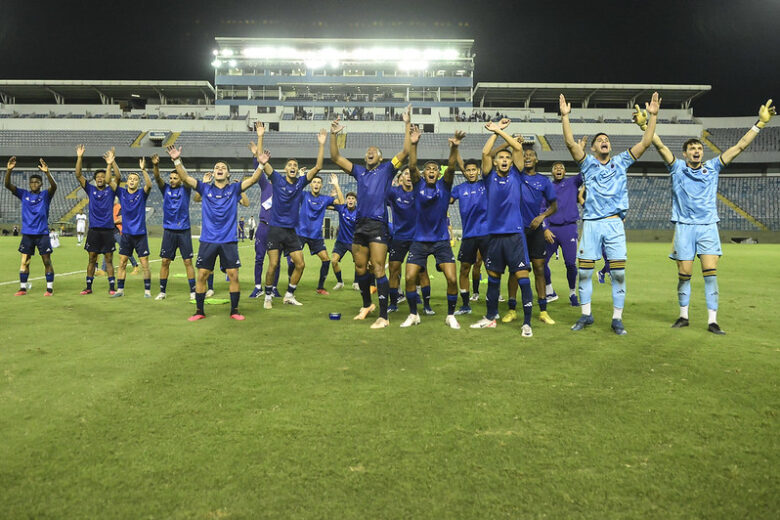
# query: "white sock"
586 309
572 292
684 311
712 316
258 286
50 285
617 314
288 294
550 289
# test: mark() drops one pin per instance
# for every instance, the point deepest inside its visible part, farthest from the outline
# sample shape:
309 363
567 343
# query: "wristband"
755 128
760 124
177 161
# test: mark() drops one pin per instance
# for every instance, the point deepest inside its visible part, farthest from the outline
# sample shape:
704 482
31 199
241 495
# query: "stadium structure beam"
163 98
104 99
632 101
528 98
58 98
586 99
687 103
6 98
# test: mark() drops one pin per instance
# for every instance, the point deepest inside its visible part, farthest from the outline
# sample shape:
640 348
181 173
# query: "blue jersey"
219 211
311 214
133 210
176 207
431 204
566 191
537 193
35 211
372 188
606 186
401 203
695 192
347 220
472 202
504 197
101 206
286 200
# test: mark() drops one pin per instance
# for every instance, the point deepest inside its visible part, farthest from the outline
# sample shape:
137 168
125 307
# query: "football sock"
147 284
234 296
586 282
711 292
23 280
89 281
475 284
683 289
210 282
452 301
200 297
617 313
291 289
512 303
684 311
542 304
163 284
324 268
571 275
464 294
411 299
618 284
426 294
269 290
585 309
394 296
364 282
383 288
528 299
191 281
494 288
50 281
338 277
120 284
111 283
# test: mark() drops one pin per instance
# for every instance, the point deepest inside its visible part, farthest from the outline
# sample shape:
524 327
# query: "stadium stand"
767 141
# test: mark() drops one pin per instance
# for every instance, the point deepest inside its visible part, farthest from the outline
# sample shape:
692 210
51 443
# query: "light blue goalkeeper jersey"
606 186
695 192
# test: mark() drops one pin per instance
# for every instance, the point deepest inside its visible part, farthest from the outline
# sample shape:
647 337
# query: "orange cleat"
364 312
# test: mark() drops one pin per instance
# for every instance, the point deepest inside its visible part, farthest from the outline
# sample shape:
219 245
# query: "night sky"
733 46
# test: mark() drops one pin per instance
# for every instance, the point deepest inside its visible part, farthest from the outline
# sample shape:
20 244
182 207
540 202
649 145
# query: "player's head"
471 170
558 170
316 184
530 159
405 179
133 180
291 168
351 200
600 144
221 171
430 172
373 156
503 161
173 179
36 181
693 151
100 178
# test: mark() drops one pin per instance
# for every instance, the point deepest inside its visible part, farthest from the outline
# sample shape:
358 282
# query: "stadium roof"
105 92
583 94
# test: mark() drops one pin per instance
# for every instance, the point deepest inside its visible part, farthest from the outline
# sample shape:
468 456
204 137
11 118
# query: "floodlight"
216 64
232 63
227 53
215 52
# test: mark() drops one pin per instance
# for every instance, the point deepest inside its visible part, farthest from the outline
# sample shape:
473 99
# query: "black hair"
689 142
36 176
471 161
350 194
316 177
426 163
593 141
558 162
94 175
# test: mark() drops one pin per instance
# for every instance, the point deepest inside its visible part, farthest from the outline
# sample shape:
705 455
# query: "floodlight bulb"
227 53
232 63
215 52
216 64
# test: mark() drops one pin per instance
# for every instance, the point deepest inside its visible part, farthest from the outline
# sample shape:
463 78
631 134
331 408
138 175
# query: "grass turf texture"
291 415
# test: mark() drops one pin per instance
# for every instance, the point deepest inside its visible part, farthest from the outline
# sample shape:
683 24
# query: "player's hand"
505 122
12 163
322 136
259 129
302 171
334 179
207 177
457 139
264 157
563 106
654 105
492 126
155 159
43 166
519 138
414 134
583 142
253 148
640 117
549 236
336 126
174 152
535 223
142 163
80 150
109 156
765 114
407 115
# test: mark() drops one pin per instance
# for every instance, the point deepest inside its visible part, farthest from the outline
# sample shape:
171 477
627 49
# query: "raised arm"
414 138
577 152
765 114
8 169
321 138
401 156
156 171
52 183
262 161
175 154
452 163
640 118
487 154
147 179
79 175
257 148
652 110
334 181
114 179
345 164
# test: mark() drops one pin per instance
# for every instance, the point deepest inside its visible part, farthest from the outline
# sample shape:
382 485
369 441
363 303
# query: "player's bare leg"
378 254
360 256
299 265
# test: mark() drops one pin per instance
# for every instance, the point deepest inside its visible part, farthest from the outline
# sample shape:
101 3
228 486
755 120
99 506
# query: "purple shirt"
266 197
568 209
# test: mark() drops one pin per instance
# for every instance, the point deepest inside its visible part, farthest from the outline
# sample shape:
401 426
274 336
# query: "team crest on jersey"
704 171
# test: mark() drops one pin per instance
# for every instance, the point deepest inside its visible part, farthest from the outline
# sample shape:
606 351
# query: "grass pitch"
123 409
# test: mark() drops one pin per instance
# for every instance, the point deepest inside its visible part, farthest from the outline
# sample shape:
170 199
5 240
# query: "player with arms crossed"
695 212
371 231
35 223
605 207
218 234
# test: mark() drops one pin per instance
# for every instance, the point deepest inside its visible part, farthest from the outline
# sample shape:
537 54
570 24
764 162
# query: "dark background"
733 46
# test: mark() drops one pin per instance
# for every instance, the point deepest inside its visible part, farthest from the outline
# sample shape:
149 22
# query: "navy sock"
411 299
383 290
291 288
234 302
191 281
50 281
528 299
200 297
120 284
512 303
89 281
364 283
276 275
452 301
475 284
465 296
111 283
211 281
542 304
23 278
494 289
269 290
394 296
163 284
290 268
426 294
323 273
147 284
338 277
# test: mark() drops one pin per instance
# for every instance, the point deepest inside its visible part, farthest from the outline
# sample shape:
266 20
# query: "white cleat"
355 286
147 294
161 296
268 303
501 298
551 297
474 297
412 319
484 323
209 293
380 323
289 299
452 322
526 331
338 286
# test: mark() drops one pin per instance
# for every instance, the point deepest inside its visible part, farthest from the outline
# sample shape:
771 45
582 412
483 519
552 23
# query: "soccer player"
371 231
100 237
506 247
562 229
285 214
218 233
251 225
431 236
35 223
605 179
309 229
81 226
176 227
695 212
347 219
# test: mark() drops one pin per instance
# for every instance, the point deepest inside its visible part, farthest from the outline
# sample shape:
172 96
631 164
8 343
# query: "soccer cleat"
464 309
617 326
715 329
392 308
21 292
501 298
111 292
48 293
680 323
584 321
474 297
401 298
86 291
116 294
255 293
355 286
551 297
275 293
544 317
238 317
484 323
574 301
28 285
373 289
510 316
452 322
412 319
601 276
322 292
268 303
526 331
147 294
380 323
161 296
338 286
196 317
209 293
364 312
428 311
289 299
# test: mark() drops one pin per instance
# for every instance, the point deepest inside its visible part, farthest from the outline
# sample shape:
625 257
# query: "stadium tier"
767 141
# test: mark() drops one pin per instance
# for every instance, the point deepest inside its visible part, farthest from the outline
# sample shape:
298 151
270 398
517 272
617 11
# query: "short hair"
558 162
36 176
426 163
689 142
471 161
351 194
226 165
94 175
316 177
291 159
172 172
529 148
593 141
134 173
503 150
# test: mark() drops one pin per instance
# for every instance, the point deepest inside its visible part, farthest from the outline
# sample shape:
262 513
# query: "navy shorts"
507 251
398 250
173 239
441 251
100 240
368 230
470 246
137 243
283 239
227 252
30 242
537 245
340 248
315 244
